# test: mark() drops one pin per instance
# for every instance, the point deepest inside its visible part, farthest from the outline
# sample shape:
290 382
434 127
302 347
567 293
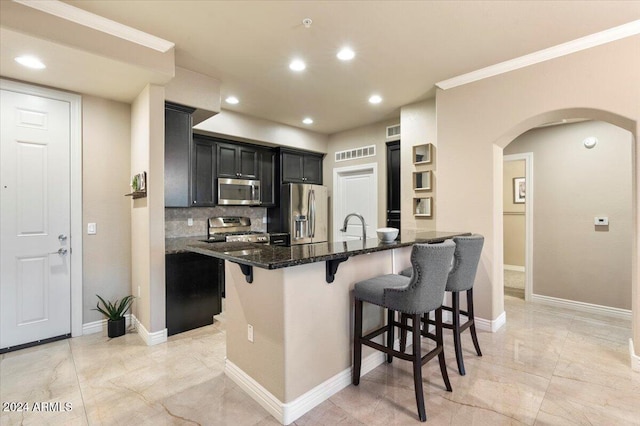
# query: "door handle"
312 213
61 251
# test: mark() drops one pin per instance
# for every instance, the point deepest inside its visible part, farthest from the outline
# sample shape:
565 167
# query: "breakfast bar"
289 314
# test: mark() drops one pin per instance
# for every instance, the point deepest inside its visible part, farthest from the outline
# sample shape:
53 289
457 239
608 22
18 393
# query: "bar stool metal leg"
403 333
455 311
390 333
417 367
439 342
471 316
357 343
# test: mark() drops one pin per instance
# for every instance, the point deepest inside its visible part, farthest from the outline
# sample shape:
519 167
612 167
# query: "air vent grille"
393 132
352 154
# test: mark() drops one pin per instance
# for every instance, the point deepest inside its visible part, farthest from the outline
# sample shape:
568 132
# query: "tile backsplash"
175 220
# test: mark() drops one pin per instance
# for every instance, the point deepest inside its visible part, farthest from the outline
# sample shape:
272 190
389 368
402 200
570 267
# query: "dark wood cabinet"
237 161
203 177
193 163
267 175
300 167
178 125
393 184
194 285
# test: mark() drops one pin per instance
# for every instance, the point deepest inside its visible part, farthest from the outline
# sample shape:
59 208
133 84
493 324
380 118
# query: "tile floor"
546 366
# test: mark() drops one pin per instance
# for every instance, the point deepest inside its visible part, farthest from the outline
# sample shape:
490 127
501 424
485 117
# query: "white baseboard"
149 338
515 268
289 412
635 359
491 325
101 325
582 306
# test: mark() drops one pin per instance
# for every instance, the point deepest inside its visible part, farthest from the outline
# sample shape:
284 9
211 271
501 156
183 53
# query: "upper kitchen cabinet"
203 160
237 161
267 177
300 167
177 153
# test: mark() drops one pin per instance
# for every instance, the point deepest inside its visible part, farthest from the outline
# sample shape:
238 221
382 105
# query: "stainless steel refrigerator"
304 210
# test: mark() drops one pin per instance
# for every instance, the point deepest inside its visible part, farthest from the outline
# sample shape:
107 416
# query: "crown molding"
97 22
607 36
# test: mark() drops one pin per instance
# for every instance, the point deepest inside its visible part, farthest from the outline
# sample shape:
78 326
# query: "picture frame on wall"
519 190
422 181
422 207
422 154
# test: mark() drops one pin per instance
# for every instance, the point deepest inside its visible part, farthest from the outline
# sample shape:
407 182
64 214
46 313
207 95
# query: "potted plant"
114 312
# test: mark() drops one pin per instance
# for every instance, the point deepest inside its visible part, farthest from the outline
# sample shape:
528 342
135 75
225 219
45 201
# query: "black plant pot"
116 328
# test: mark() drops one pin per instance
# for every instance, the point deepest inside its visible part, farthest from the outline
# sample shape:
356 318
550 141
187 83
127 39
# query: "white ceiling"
402 48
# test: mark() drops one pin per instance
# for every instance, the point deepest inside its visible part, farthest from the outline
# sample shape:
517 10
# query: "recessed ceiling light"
307 121
30 62
346 54
232 100
375 99
297 65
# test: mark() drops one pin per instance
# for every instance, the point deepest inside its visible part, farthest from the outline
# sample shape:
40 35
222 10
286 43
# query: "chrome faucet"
364 225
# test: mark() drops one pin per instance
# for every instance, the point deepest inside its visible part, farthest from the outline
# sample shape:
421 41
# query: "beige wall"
514 218
233 125
418 127
374 134
106 156
302 333
147 214
195 90
572 258
476 120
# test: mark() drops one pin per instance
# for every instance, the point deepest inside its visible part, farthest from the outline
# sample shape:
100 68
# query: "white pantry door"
35 282
355 191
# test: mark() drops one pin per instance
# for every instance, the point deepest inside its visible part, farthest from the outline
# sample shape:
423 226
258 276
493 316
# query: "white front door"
35 268
355 191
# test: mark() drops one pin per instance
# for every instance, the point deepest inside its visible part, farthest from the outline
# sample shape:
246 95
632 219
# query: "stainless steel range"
238 229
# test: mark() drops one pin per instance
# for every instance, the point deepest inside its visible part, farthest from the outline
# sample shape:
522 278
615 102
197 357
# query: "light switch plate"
92 229
250 333
190 221
601 221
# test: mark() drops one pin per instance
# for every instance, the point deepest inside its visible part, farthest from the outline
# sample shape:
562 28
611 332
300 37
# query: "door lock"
62 237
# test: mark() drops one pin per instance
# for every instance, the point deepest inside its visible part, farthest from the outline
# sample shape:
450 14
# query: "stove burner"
234 229
237 233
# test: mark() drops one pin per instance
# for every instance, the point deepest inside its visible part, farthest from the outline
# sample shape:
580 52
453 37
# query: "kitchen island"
289 315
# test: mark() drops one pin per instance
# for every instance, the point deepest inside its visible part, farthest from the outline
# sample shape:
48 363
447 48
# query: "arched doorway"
476 121
578 264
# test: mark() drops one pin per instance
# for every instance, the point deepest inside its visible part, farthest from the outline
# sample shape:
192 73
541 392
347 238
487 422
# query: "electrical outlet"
250 332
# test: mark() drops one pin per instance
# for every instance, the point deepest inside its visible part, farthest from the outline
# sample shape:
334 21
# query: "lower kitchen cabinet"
194 286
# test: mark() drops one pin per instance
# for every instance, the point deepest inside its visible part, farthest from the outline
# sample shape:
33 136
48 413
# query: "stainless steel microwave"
239 192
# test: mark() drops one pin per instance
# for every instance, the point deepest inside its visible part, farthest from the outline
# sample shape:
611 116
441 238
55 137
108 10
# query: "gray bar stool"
414 296
461 278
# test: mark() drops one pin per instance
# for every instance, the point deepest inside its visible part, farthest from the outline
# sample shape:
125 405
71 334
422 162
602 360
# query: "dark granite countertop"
179 244
274 257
